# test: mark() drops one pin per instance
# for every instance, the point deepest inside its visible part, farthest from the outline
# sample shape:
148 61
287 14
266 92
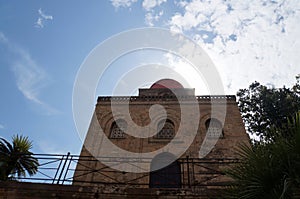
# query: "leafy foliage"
264 108
16 158
269 170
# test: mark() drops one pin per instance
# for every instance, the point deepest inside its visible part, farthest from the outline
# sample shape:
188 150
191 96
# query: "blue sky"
43 44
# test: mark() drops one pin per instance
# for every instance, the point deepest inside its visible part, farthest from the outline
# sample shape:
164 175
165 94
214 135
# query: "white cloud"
189 73
3 39
42 18
39 23
150 18
122 3
2 126
150 4
152 15
247 40
30 78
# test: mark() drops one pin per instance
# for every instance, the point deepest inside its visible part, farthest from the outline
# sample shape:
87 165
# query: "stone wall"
225 148
26 190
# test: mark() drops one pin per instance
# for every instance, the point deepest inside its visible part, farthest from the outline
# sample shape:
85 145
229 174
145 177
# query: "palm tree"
269 170
16 159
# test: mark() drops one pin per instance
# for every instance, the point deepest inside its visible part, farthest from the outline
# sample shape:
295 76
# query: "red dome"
166 83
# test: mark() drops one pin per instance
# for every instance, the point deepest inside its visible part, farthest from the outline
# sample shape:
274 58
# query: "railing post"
63 168
188 171
61 160
183 180
70 161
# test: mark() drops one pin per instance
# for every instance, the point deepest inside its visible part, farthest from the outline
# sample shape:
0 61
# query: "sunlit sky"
44 43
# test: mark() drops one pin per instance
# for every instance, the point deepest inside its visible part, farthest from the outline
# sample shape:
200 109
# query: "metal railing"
60 169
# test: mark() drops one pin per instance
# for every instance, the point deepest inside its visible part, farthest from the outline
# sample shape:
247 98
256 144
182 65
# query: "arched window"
117 129
214 128
166 130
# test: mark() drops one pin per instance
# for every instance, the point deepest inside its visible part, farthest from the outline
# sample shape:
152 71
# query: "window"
117 129
166 130
214 128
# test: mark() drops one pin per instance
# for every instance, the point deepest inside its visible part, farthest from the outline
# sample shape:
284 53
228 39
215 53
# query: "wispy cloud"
30 78
151 4
3 39
122 3
153 14
2 126
42 18
151 17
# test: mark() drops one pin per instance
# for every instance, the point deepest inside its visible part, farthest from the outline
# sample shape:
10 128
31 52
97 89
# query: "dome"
166 83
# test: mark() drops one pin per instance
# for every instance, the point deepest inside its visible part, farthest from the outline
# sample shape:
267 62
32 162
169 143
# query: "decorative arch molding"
206 117
172 117
171 125
110 119
165 129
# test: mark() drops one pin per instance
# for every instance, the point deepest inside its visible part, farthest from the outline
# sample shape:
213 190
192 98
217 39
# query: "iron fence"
60 169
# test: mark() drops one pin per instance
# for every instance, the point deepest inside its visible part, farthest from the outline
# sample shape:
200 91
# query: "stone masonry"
194 170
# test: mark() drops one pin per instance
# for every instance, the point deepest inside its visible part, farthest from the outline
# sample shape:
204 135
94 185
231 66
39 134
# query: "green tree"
263 108
16 158
269 170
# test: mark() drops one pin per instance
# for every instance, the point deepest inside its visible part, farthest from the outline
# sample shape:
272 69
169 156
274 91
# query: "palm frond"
16 158
269 170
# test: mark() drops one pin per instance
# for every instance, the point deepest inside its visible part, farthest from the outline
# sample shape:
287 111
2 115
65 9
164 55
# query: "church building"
175 147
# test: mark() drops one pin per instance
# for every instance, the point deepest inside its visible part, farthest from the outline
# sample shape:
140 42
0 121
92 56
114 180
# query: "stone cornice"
200 99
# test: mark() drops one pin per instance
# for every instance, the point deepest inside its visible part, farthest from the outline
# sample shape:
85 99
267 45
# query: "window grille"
166 130
214 128
118 129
